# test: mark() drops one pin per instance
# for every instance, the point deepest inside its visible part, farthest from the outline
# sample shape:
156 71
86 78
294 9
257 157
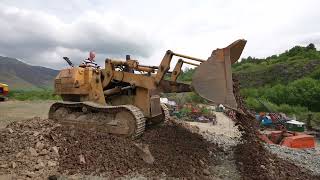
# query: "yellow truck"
4 90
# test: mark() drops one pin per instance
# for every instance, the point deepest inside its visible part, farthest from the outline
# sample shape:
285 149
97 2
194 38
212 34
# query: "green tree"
305 92
311 46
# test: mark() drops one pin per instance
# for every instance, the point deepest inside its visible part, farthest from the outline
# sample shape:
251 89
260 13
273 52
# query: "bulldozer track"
166 113
162 118
137 114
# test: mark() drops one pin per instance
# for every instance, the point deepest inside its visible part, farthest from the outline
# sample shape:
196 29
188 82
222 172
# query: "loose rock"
82 159
39 145
36 133
13 165
10 130
29 174
55 150
33 152
52 163
43 152
144 153
206 172
19 154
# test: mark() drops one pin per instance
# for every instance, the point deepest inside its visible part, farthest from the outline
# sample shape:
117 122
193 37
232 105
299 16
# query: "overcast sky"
42 32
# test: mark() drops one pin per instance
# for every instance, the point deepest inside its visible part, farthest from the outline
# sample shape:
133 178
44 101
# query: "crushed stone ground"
307 158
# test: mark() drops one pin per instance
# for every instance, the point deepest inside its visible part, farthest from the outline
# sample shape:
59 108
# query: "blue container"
266 121
258 117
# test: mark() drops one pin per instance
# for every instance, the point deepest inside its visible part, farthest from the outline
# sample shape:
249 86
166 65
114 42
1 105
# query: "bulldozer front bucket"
212 80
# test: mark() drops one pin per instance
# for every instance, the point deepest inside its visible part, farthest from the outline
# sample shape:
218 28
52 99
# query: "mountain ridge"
20 75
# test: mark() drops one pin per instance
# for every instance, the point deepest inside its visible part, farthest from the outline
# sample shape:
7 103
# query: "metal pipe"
153 67
112 91
190 63
127 87
143 68
116 90
117 62
188 57
135 66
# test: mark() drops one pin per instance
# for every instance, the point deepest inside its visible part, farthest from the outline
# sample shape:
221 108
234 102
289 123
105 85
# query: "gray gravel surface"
307 158
11 111
226 135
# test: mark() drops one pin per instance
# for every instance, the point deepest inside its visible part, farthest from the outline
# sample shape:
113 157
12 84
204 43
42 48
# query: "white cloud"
42 39
146 29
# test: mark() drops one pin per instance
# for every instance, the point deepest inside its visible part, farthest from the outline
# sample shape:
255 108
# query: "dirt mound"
253 160
37 148
88 152
177 152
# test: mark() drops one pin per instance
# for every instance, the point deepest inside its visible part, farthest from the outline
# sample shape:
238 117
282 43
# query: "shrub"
186 75
302 92
194 98
285 108
268 106
250 92
316 74
205 111
185 111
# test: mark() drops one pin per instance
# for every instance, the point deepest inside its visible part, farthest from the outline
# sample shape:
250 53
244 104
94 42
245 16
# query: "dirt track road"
18 110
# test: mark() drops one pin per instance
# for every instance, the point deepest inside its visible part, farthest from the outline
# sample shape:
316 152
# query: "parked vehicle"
4 91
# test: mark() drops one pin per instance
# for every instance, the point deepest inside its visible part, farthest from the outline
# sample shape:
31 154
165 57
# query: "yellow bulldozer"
124 97
4 91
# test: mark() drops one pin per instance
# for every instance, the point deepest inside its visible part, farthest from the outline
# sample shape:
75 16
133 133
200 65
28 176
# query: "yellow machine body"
127 83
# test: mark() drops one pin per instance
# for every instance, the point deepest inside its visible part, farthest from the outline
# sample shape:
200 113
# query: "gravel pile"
224 166
224 133
222 141
252 158
180 151
177 152
307 158
26 150
38 148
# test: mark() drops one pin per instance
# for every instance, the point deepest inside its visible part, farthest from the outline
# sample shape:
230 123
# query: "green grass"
38 94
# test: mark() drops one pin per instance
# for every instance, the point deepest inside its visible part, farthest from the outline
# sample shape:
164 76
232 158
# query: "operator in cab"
90 62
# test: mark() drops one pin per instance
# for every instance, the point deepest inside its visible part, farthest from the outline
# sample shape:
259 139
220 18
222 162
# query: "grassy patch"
39 94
